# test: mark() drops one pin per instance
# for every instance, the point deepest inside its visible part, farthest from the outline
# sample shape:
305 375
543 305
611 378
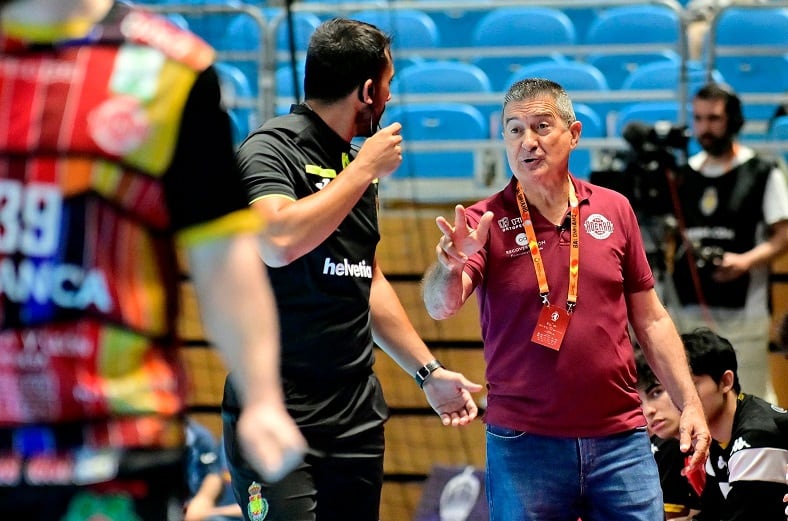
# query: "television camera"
655 158
642 172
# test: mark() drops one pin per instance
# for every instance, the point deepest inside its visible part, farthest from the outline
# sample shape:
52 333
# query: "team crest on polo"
598 226
709 201
258 505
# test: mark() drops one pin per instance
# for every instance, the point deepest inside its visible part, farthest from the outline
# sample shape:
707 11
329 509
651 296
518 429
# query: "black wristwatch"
425 371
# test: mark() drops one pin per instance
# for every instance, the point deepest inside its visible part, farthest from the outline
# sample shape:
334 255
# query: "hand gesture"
381 153
694 435
270 439
460 241
449 394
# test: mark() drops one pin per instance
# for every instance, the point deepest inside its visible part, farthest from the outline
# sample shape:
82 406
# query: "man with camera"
732 223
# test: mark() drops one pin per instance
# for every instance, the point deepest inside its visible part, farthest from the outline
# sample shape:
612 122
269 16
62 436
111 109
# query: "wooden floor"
415 438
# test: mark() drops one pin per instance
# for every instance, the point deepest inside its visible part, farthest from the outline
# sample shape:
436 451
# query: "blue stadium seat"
438 122
616 67
212 27
581 159
411 30
522 26
648 112
304 23
437 77
760 64
178 19
581 17
778 131
440 76
285 89
457 20
664 75
238 99
242 33
570 74
328 14
636 25
573 76
779 128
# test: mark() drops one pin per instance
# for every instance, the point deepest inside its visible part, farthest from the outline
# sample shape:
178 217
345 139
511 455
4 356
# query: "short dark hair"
733 107
342 55
710 354
646 377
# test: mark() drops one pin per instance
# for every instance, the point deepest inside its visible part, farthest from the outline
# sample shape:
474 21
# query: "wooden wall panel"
189 322
399 501
415 443
400 389
408 239
206 371
464 326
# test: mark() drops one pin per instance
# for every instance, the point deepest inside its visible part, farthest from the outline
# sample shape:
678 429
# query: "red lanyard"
536 255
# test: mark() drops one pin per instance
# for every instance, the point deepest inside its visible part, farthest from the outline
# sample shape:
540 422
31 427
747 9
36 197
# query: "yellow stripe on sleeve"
269 196
246 220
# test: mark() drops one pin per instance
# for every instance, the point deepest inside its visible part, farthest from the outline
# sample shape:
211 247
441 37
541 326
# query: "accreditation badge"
551 327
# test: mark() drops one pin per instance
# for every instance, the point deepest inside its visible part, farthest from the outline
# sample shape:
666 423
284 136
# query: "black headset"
733 105
735 113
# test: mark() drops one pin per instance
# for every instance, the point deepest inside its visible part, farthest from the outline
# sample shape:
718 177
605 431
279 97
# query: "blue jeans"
542 478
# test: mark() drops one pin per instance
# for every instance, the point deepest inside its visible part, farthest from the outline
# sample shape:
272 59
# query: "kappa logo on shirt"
739 444
777 408
598 226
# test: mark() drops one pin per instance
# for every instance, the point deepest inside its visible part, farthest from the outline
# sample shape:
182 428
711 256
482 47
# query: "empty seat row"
502 34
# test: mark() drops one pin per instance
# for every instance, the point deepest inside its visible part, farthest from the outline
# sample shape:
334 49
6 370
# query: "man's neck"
336 116
551 201
721 427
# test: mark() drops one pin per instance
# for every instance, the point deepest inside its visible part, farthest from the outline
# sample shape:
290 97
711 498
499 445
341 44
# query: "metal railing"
267 57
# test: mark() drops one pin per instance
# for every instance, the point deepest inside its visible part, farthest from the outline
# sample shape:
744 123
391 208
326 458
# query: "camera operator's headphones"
735 113
733 106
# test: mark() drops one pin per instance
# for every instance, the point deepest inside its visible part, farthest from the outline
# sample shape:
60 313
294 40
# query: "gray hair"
531 88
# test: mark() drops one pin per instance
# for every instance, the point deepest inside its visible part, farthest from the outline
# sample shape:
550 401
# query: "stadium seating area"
621 61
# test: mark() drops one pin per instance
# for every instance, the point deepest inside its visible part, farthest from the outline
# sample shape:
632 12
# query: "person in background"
559 271
733 222
748 457
680 496
115 155
318 194
211 494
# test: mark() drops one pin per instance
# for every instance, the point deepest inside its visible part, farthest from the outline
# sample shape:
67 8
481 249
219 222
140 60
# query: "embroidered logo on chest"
598 226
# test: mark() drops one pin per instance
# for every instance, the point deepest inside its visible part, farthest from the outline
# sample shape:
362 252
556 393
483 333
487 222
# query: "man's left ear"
575 128
726 382
366 92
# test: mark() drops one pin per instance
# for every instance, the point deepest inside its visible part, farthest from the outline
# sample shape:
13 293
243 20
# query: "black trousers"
338 480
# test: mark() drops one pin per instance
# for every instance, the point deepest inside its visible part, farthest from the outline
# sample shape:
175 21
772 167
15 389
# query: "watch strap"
425 371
